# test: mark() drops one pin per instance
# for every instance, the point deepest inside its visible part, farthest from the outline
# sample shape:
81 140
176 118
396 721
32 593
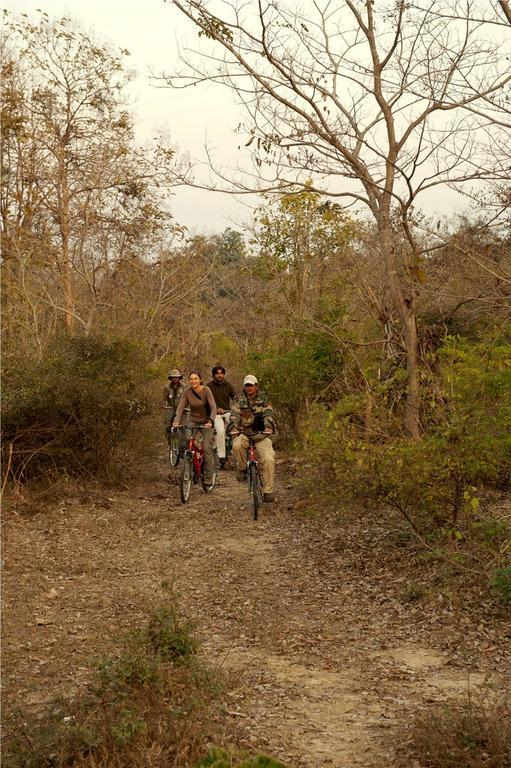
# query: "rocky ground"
327 634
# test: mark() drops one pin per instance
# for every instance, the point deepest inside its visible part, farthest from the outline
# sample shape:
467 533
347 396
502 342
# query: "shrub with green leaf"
434 480
501 583
219 758
71 409
150 704
295 373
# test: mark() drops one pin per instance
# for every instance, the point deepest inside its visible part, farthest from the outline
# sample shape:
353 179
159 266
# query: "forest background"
381 333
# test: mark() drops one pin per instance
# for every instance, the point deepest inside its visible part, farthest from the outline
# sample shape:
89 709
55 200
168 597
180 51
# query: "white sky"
149 30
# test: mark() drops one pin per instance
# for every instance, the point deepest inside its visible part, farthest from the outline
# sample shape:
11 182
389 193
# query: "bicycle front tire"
254 490
174 455
185 481
214 475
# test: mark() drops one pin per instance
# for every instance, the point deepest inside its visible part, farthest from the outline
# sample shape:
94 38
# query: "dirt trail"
325 657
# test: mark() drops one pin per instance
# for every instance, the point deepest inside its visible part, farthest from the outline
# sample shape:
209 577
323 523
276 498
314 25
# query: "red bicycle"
252 471
193 469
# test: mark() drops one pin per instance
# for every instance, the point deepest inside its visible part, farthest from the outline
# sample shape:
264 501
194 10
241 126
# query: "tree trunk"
412 364
407 313
67 280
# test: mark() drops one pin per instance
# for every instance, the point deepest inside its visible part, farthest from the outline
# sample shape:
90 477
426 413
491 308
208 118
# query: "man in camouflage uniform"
254 413
172 392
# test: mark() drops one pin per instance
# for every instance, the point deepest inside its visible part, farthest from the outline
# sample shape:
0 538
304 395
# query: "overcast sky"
149 30
206 114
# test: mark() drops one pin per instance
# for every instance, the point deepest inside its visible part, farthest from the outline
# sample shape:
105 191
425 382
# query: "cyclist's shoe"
268 497
207 487
241 475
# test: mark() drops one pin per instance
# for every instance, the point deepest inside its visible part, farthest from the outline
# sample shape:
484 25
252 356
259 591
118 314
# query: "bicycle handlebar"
253 434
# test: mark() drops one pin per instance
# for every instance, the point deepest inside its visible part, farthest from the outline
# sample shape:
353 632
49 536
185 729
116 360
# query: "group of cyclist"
217 408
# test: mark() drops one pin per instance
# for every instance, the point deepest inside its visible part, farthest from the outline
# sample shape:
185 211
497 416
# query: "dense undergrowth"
437 483
68 411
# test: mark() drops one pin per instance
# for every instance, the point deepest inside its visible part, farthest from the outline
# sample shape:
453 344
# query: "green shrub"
219 758
434 480
70 410
501 583
294 374
171 635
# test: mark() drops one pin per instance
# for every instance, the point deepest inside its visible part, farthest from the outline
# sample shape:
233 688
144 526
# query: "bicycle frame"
193 469
255 488
197 455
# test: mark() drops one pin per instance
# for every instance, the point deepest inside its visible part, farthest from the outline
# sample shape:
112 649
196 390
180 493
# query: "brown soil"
314 619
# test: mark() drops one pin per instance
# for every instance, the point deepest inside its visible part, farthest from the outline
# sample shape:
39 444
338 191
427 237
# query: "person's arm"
269 422
180 408
232 394
235 418
165 396
212 404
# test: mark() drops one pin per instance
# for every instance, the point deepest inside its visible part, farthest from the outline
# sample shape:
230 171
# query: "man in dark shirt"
223 393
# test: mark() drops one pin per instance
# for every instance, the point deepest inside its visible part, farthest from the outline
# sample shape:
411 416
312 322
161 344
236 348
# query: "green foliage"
71 409
232 249
171 636
432 481
168 638
223 348
302 228
219 758
295 373
501 583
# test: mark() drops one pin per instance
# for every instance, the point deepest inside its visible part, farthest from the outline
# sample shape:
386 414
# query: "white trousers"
221 421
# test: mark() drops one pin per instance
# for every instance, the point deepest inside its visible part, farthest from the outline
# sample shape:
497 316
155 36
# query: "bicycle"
228 451
174 439
192 469
255 484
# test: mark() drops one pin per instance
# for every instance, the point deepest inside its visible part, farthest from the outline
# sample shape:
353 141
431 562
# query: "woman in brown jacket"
201 402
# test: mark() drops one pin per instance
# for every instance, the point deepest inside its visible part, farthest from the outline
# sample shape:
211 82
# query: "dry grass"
471 734
151 705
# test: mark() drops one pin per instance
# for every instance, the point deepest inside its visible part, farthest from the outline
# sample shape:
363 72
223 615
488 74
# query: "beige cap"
175 374
249 379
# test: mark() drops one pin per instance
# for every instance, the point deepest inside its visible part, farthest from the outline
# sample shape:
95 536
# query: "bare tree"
378 103
79 200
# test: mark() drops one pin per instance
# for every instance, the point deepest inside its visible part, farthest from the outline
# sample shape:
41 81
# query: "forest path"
324 657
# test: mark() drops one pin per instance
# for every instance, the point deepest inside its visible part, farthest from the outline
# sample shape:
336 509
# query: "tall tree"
379 103
78 197
303 241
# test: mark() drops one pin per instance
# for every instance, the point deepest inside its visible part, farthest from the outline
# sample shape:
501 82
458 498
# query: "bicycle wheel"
185 481
214 477
255 490
174 455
